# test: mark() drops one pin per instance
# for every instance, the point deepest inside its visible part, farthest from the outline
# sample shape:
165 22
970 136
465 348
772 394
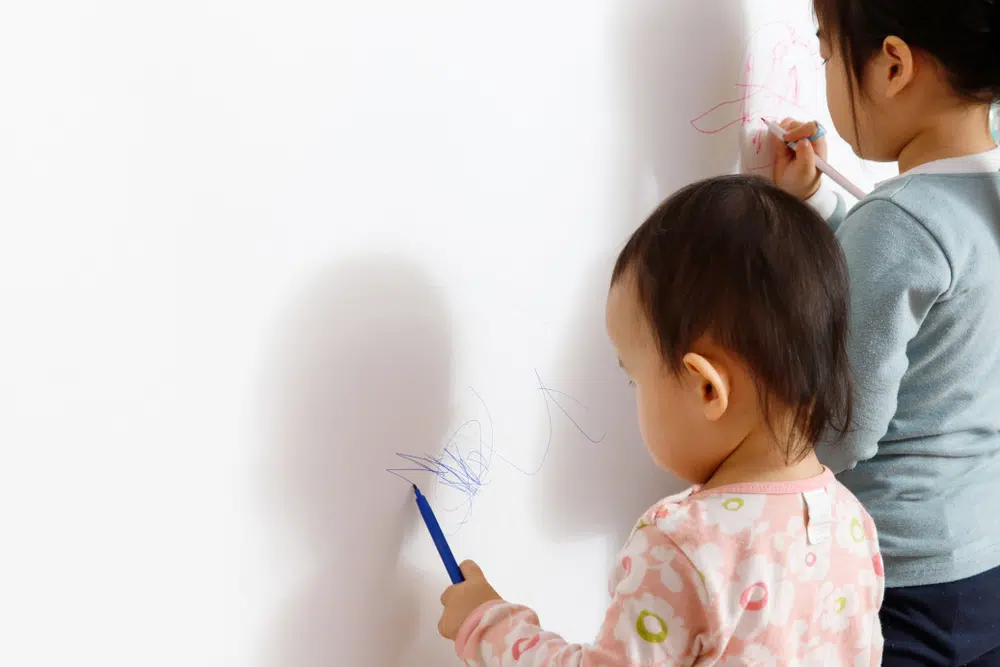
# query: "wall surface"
255 251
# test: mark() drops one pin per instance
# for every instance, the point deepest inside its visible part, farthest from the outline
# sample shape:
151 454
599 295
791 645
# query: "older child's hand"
462 599
795 170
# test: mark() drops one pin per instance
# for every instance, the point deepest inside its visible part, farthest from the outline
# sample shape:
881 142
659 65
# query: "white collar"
977 163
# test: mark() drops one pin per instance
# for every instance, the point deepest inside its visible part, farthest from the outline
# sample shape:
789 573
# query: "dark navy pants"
945 625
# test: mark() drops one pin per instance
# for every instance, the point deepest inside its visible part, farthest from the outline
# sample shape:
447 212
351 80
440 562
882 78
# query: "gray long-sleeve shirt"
923 454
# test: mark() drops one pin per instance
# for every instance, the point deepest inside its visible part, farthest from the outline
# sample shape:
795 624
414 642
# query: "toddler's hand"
795 170
462 599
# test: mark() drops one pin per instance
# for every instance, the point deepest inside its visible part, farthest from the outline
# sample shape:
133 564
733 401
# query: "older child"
911 81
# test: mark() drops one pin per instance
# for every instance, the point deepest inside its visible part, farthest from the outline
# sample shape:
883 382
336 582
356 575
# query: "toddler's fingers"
471 570
444 627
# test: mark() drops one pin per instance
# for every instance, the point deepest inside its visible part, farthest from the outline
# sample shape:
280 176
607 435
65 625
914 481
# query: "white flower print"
824 592
759 529
754 655
870 640
663 559
807 562
522 645
644 522
793 531
733 513
634 573
839 607
813 642
867 578
632 565
489 658
710 562
863 659
822 656
651 632
867 624
851 533
760 597
668 516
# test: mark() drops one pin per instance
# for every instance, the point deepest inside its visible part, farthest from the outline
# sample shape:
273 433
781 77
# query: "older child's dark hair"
755 270
963 35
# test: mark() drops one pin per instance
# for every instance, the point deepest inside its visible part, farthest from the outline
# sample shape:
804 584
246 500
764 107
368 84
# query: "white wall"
253 249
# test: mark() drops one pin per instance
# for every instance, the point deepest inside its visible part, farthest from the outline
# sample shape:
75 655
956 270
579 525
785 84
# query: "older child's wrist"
824 201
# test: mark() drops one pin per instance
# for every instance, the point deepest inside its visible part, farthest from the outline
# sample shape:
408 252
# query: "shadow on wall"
601 488
364 365
679 59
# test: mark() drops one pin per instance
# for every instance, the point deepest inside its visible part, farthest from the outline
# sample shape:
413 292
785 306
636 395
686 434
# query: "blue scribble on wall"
464 468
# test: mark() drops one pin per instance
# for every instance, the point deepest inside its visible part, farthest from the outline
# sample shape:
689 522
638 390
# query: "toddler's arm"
657 616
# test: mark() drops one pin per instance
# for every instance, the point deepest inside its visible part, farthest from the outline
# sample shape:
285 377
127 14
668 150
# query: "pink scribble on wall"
777 79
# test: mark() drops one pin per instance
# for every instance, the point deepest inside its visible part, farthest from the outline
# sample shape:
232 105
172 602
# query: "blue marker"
442 544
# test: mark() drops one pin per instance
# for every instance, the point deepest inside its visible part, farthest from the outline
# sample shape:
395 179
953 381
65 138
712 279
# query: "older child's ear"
898 65
712 384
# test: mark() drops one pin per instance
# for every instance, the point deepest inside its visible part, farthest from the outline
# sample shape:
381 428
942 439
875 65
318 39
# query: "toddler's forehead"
627 321
623 300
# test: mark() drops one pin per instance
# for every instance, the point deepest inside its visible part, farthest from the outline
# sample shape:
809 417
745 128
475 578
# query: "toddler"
728 310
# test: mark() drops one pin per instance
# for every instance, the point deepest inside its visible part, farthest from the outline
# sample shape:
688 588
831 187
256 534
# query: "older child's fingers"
793 125
802 131
806 174
819 147
805 155
804 135
795 170
783 155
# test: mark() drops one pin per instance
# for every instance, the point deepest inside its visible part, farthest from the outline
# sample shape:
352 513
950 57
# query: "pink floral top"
749 574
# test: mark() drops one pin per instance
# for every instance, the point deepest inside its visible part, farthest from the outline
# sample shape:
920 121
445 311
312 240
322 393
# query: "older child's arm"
657 616
898 271
795 170
829 204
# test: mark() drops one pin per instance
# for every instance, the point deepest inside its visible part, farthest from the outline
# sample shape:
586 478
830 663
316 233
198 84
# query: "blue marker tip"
434 528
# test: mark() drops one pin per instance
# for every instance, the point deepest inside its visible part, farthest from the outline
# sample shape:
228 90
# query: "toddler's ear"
712 384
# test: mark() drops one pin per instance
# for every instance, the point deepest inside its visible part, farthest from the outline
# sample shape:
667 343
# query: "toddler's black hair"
757 271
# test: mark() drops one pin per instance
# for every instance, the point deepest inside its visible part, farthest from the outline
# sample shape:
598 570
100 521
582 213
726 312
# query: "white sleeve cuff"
825 201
